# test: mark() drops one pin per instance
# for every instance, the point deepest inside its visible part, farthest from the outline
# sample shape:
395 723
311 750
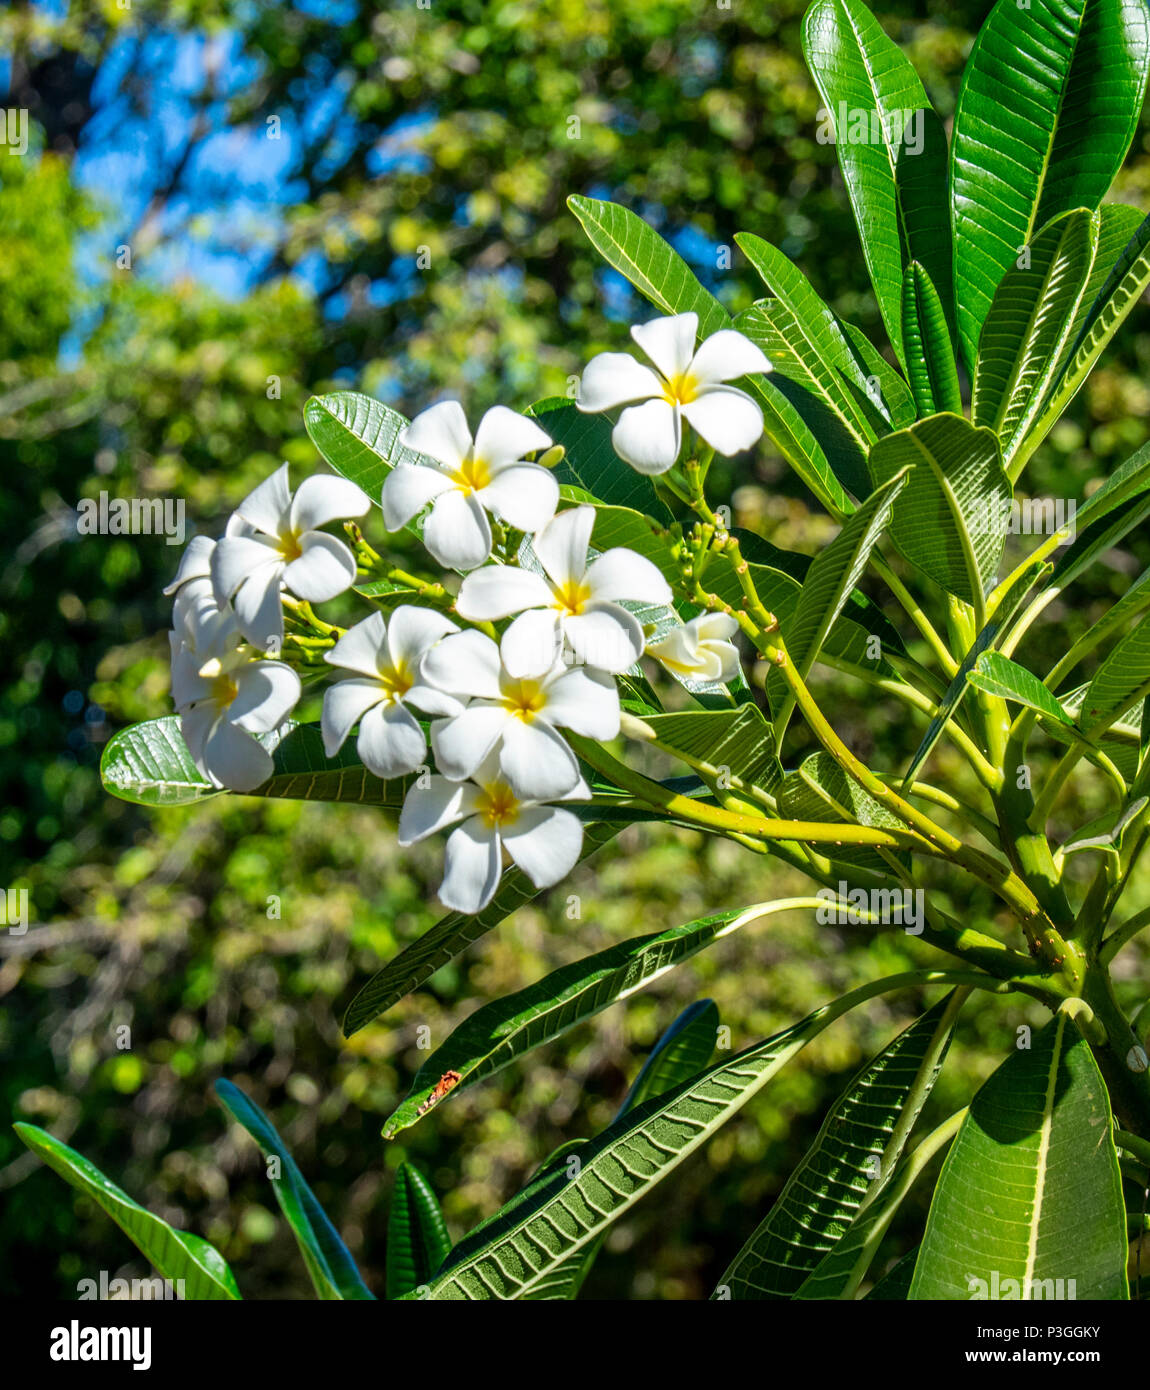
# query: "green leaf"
358 437
516 1253
1122 289
149 764
798 376
834 572
504 1030
656 270
1030 1191
850 1161
1128 482
894 1286
1048 107
950 519
682 1051
929 352
450 936
178 1255
417 1239
1029 326
894 397
1108 831
1118 680
807 335
591 462
866 81
843 1268
330 1265
998 675
739 741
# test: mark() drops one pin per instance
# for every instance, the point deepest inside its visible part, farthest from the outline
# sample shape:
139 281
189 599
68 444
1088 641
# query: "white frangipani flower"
469 478
230 698
572 600
272 541
687 385
701 649
387 657
544 841
516 717
201 629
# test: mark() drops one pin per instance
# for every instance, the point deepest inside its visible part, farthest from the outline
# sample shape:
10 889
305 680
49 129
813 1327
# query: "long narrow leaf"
332 1269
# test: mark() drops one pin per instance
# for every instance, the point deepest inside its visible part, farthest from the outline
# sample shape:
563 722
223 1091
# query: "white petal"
268 691
606 637
714 627
237 526
391 743
462 743
497 591
726 356
360 648
344 705
532 644
412 632
440 432
267 506
428 700
586 702
727 419
259 609
195 562
648 436
234 759
536 760
322 498
562 544
465 664
457 532
504 437
680 647
195 726
428 809
188 685
621 573
199 619
727 655
472 865
669 342
545 842
407 489
524 494
235 558
324 569
615 378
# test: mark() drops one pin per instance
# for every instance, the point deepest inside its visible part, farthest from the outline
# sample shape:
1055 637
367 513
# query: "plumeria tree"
589 611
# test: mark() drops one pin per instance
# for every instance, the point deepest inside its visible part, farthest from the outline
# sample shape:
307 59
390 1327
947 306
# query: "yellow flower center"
224 689
524 699
473 474
497 804
681 390
289 546
396 681
571 597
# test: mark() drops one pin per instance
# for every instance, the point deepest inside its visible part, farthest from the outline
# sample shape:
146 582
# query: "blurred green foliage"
460 139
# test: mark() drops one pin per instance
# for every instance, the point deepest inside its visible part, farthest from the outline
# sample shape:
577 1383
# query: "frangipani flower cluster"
474 713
